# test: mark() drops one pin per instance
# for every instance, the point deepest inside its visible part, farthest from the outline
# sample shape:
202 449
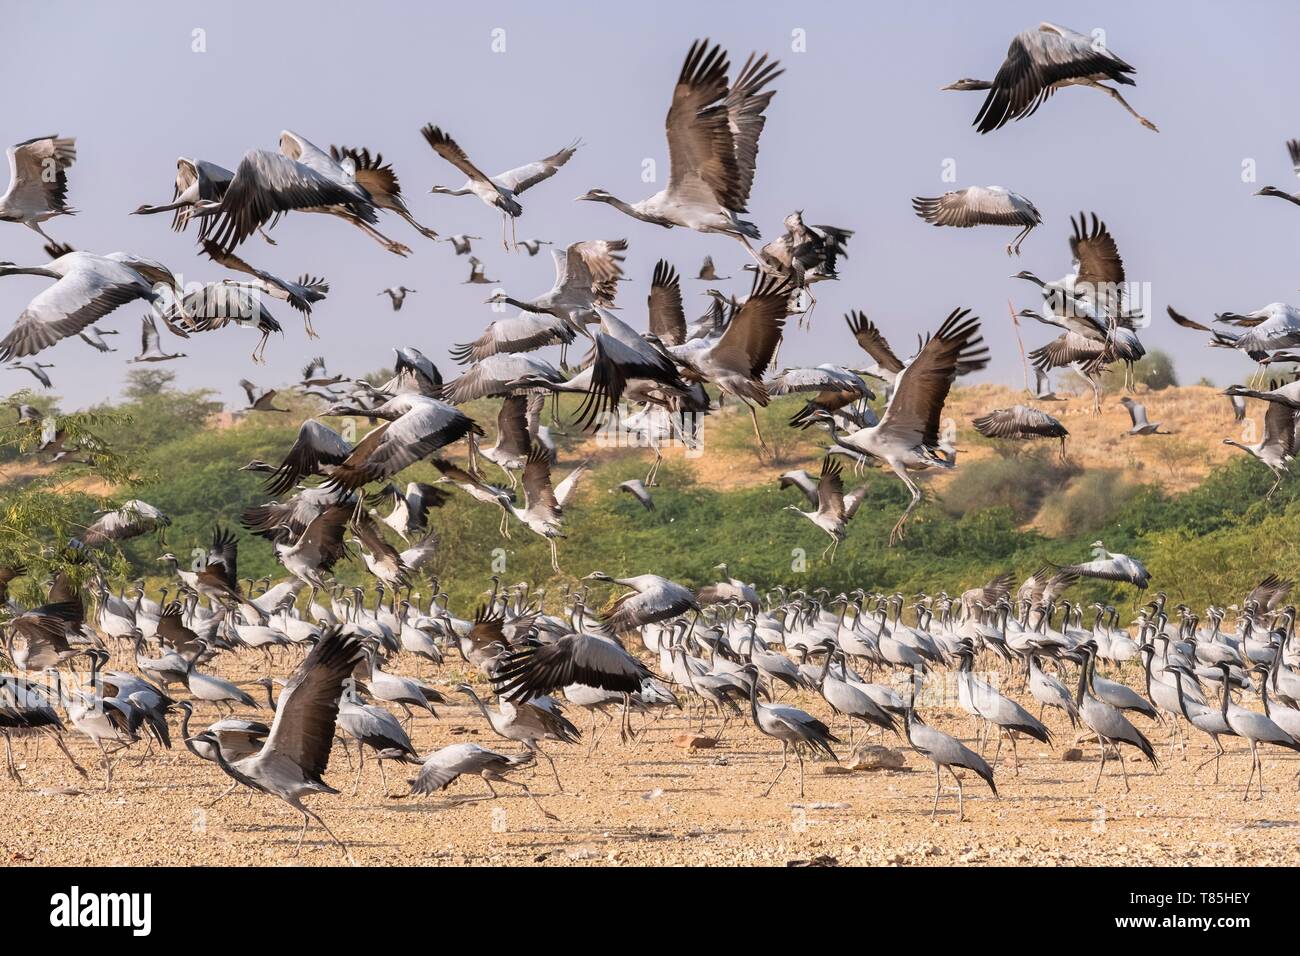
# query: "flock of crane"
722 651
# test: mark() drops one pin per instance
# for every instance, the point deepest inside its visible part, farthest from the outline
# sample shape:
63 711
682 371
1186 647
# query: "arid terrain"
656 802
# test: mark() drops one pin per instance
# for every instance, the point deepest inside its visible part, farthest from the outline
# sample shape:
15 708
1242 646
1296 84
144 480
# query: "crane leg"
1123 766
394 247
898 532
1251 778
624 724
805 318
799 754
1218 752
961 796
324 826
10 766
1014 245
422 230
750 249
68 753
107 763
224 793
531 796
1115 95
347 752
361 765
654 468
938 786
1259 773
1101 766
555 773
785 759
753 415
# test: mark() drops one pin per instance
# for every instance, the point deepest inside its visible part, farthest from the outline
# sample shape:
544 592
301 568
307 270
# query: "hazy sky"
857 128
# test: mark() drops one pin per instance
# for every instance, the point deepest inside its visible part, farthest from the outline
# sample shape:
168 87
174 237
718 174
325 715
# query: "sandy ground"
657 803
1198 418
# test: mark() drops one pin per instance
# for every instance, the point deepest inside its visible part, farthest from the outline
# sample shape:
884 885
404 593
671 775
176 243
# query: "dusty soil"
1199 418
657 803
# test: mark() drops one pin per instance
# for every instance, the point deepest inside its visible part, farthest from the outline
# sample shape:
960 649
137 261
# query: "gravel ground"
656 802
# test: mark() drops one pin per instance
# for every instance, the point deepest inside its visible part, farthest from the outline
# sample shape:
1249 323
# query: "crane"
1040 62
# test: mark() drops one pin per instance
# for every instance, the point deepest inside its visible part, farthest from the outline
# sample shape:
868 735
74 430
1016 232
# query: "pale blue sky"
857 128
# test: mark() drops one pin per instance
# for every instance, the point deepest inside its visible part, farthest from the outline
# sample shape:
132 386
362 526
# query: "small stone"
1073 755
692 742
874 757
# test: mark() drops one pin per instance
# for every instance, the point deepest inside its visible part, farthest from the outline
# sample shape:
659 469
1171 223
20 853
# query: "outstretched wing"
1036 61
303 730
922 387
524 177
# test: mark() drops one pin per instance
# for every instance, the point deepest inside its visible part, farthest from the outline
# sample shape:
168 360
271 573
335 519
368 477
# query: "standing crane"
943 751
1106 721
1255 728
790 725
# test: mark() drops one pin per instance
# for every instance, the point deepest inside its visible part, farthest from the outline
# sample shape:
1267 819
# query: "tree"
144 383
48 503
1155 371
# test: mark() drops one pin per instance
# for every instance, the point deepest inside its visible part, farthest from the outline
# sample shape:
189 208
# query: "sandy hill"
1199 417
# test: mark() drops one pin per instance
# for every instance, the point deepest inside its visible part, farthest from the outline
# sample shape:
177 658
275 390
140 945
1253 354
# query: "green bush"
1090 501
1018 482
1155 370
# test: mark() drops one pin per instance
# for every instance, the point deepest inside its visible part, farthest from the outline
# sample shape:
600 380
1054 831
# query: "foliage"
45 506
1155 370
1018 480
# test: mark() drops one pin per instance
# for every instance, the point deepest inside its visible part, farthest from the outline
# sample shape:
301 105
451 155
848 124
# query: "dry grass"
1199 417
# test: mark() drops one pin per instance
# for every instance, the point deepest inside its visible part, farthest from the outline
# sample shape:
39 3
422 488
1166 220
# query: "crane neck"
1083 679
185 732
